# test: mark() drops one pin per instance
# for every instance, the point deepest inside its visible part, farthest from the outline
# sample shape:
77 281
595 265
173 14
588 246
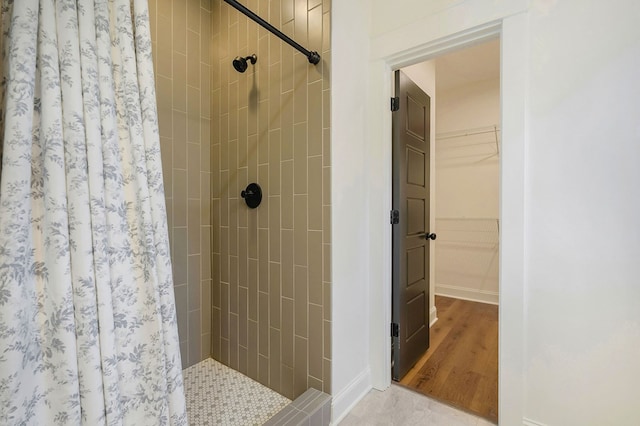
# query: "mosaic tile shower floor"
219 395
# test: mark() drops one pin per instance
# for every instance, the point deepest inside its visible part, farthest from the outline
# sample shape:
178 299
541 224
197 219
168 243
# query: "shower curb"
312 408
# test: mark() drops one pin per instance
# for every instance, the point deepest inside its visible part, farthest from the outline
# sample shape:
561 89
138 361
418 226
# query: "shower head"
240 63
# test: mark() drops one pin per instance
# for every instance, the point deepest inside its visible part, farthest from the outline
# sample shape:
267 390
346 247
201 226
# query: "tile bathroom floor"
219 395
403 407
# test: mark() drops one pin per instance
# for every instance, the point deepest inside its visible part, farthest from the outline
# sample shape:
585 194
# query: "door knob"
429 236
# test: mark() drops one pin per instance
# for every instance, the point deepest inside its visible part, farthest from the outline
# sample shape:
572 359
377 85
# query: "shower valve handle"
252 195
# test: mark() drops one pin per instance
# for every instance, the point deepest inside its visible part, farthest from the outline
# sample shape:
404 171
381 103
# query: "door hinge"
395 217
395 330
395 104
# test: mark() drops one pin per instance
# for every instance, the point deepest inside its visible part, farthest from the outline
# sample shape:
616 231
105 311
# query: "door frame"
513 32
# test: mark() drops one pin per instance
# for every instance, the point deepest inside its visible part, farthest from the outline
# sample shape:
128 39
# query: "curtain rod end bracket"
314 58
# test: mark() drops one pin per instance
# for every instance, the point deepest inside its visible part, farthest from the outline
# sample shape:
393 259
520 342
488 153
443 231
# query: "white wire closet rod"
463 219
468 132
467 218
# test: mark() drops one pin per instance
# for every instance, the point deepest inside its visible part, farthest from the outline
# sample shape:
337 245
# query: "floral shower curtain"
88 330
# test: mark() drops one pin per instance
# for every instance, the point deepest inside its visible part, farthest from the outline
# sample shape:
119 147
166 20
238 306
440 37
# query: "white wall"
424 75
468 106
350 375
467 191
571 145
583 322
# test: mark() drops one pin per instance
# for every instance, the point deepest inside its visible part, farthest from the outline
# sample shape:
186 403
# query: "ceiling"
476 63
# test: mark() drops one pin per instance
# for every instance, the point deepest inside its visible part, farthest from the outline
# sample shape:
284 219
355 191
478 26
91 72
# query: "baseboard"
529 422
464 293
346 399
433 316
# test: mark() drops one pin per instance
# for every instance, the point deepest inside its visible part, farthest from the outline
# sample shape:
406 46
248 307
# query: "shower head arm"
312 56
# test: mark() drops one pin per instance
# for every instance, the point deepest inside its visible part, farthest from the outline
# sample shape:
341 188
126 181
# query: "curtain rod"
313 57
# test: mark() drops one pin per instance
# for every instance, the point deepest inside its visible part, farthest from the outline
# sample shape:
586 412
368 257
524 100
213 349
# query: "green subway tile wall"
181 37
270 288
252 286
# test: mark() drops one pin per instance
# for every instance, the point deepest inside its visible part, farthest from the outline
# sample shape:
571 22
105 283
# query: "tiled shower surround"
252 286
271 265
181 37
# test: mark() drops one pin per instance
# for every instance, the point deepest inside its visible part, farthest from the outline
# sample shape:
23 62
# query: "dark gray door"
411 124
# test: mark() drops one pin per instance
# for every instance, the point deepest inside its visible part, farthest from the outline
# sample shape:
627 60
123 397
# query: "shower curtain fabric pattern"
88 331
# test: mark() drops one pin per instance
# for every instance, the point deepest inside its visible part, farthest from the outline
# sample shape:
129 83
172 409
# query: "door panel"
416 120
415 216
415 167
415 265
411 129
415 315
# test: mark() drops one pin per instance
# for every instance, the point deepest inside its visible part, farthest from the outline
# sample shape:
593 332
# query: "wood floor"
461 365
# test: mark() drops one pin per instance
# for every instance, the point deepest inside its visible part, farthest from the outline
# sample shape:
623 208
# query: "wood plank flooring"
461 365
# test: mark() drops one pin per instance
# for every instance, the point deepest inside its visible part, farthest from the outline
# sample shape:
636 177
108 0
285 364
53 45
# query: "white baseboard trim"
433 316
348 397
529 422
482 296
